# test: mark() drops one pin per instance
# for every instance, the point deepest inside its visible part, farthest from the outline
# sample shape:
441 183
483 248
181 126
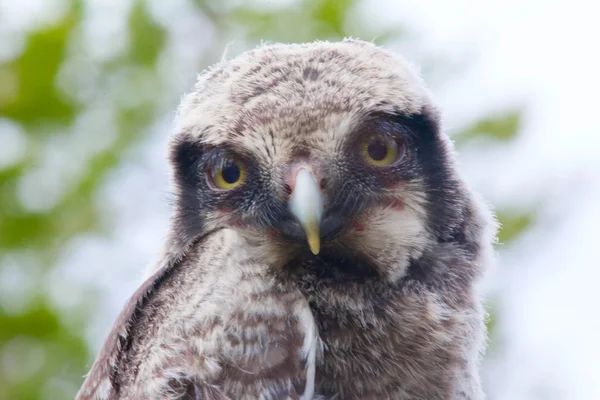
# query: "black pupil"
231 172
377 148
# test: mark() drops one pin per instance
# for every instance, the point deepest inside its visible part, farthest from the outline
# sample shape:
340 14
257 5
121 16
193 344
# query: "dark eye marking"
186 157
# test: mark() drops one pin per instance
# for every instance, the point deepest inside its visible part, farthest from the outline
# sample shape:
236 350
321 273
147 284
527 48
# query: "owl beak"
306 204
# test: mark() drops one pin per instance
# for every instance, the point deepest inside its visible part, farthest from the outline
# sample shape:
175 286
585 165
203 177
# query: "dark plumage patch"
186 157
446 196
184 389
310 74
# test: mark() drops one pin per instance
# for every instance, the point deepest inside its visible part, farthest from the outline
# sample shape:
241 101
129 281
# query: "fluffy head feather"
283 106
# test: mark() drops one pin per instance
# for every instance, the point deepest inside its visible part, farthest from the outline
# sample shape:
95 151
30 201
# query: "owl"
323 243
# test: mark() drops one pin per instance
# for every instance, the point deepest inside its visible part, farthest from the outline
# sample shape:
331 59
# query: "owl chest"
369 354
357 346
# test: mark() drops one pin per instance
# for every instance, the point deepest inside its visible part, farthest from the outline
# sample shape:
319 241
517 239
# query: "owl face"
315 152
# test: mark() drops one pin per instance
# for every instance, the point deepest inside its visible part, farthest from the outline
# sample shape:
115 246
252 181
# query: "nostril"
323 183
287 188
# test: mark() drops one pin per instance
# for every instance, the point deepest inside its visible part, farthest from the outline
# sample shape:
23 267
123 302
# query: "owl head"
319 150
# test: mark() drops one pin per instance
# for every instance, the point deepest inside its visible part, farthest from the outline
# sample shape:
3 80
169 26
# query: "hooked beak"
306 204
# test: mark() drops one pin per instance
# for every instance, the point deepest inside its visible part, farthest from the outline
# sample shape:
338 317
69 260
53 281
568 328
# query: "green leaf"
332 13
313 19
60 354
513 223
147 37
502 127
38 101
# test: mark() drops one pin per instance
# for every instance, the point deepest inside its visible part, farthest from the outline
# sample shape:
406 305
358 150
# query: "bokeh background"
88 91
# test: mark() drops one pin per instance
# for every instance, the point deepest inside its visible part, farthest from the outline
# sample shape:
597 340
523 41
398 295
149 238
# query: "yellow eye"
228 174
380 150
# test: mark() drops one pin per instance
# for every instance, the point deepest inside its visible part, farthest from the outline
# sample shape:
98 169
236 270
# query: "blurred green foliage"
43 354
514 222
499 127
37 100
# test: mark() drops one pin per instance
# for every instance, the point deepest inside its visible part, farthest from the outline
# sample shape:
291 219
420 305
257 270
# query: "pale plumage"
218 312
336 145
